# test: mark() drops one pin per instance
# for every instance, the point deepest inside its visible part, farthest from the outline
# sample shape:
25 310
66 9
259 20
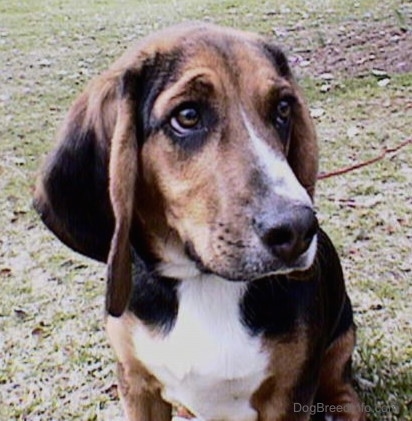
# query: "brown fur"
122 176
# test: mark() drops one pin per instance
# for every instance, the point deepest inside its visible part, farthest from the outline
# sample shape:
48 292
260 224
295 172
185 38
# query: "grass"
56 363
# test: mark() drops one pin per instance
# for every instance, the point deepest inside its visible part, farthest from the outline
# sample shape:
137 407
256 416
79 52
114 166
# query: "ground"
354 62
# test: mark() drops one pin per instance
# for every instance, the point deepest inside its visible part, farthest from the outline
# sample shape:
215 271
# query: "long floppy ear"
122 180
85 192
72 195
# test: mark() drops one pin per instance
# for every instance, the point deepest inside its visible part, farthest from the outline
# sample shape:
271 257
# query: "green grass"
56 363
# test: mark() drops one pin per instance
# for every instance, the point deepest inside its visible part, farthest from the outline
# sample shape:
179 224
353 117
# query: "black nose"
290 234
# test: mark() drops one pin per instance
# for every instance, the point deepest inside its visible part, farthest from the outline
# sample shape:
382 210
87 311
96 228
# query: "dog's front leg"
138 389
336 392
274 404
139 402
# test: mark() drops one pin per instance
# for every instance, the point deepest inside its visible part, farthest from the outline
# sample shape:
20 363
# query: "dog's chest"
208 362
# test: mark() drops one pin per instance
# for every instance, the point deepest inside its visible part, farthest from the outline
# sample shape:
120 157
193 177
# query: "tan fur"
288 357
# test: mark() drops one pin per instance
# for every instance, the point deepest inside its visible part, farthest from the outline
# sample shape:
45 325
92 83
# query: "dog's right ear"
72 193
86 192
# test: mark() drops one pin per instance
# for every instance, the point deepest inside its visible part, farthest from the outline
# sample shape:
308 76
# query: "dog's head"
197 148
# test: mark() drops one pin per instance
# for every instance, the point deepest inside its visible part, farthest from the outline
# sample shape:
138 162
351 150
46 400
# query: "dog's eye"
283 117
283 112
185 120
190 124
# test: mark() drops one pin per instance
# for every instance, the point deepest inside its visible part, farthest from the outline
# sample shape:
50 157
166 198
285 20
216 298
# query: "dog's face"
206 145
216 154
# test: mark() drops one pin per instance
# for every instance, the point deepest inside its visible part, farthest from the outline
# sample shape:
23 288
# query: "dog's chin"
252 271
304 263
297 270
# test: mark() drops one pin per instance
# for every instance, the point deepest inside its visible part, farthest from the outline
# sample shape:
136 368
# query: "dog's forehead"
208 46
197 35
225 60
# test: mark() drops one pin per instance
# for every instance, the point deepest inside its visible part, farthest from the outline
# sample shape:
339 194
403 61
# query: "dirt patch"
358 49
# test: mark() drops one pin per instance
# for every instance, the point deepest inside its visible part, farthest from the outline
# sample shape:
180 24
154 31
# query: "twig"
351 168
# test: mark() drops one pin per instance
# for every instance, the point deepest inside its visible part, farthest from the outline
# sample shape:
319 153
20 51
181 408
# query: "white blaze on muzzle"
276 170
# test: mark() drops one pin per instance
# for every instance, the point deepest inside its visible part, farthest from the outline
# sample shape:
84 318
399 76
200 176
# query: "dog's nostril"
278 236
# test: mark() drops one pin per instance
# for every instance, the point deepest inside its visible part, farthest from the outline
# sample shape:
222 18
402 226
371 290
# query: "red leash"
382 155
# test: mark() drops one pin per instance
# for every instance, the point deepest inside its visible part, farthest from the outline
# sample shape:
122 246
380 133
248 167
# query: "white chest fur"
208 362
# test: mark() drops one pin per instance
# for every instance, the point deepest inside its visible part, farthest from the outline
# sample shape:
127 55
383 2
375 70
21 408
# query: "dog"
189 167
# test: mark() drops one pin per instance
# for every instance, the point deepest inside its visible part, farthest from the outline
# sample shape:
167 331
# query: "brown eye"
283 111
185 120
283 118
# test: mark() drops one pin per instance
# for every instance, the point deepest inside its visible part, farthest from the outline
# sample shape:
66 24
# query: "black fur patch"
154 298
278 59
337 306
274 306
345 320
76 182
155 74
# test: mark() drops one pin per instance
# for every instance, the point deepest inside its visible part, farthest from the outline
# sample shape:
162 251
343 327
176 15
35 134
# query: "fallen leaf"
5 272
20 313
39 332
325 87
379 73
45 63
112 391
384 82
317 112
326 76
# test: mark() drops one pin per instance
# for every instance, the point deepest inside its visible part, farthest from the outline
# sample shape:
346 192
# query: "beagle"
189 166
